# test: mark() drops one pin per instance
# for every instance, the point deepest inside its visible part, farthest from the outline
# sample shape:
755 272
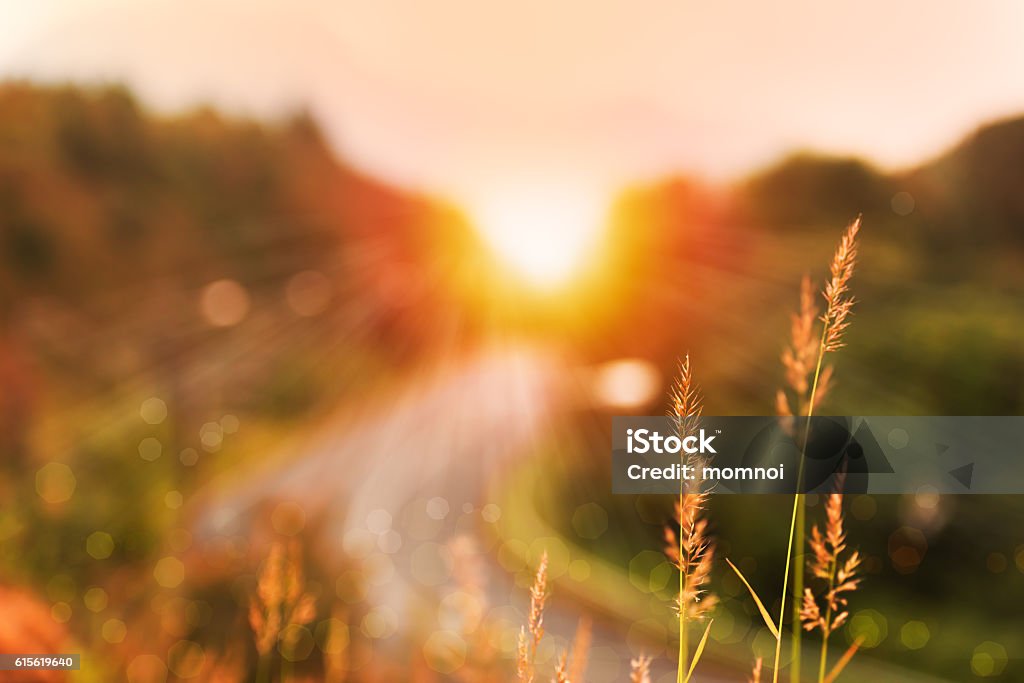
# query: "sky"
482 101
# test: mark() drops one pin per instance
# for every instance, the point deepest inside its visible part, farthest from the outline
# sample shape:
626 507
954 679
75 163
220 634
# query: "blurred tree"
974 195
808 190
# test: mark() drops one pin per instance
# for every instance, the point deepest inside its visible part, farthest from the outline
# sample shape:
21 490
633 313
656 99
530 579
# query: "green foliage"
807 190
972 196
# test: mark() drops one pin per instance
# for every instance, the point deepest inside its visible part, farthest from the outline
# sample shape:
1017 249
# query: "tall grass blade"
699 651
844 660
760 605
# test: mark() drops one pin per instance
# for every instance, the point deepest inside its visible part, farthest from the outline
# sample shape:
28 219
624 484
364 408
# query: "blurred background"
365 283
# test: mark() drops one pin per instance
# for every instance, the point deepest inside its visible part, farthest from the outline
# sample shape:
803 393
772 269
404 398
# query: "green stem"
684 650
828 622
798 570
824 652
798 517
263 669
798 586
785 587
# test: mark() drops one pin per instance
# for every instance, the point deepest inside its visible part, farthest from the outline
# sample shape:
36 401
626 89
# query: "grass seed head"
755 675
640 669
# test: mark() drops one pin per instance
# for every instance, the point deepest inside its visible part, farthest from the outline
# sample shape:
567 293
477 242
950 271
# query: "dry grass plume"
281 601
530 635
836 571
808 379
687 544
640 669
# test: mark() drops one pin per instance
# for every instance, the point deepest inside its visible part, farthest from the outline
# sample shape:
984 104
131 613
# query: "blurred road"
444 437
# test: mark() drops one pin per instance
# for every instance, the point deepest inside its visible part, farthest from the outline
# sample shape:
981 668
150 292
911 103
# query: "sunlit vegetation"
234 369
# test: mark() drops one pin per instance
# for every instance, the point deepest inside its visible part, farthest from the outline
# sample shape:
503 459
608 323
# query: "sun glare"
545 235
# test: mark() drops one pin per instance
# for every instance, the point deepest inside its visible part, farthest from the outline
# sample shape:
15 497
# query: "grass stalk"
785 589
840 577
796 529
263 669
687 547
640 669
823 660
797 536
684 646
834 322
531 634
798 587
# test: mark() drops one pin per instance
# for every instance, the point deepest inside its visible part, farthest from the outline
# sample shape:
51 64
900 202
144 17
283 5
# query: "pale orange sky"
469 97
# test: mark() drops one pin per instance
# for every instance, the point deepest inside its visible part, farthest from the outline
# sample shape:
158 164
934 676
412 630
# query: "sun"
546 235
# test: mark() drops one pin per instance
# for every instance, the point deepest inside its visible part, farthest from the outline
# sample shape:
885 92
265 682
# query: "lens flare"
544 234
